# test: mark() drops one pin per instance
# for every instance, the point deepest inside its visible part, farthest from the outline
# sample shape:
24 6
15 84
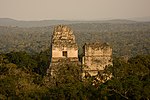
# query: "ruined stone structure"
63 46
96 57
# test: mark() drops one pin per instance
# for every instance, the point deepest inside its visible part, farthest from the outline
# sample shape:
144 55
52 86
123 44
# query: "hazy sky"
73 9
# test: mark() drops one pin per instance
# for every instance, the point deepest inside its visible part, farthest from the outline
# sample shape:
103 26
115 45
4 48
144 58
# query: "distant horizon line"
65 19
102 19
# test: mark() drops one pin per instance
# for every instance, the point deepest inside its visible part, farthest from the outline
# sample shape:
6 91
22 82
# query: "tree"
66 80
130 80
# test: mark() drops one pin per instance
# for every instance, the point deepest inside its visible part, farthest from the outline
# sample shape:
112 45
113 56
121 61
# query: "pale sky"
73 9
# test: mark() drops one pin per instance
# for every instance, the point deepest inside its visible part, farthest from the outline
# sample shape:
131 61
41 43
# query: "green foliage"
127 39
37 63
20 80
17 83
130 79
67 72
43 61
22 59
67 80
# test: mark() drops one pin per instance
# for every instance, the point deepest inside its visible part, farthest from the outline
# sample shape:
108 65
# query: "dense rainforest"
25 58
23 76
126 39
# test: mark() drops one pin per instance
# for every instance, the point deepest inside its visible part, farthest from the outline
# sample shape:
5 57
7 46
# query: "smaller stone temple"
96 57
63 46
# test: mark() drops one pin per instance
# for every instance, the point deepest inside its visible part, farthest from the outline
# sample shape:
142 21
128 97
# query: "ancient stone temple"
64 49
63 46
96 57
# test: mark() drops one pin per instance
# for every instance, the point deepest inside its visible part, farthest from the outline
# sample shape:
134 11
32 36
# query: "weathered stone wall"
71 52
56 52
96 57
